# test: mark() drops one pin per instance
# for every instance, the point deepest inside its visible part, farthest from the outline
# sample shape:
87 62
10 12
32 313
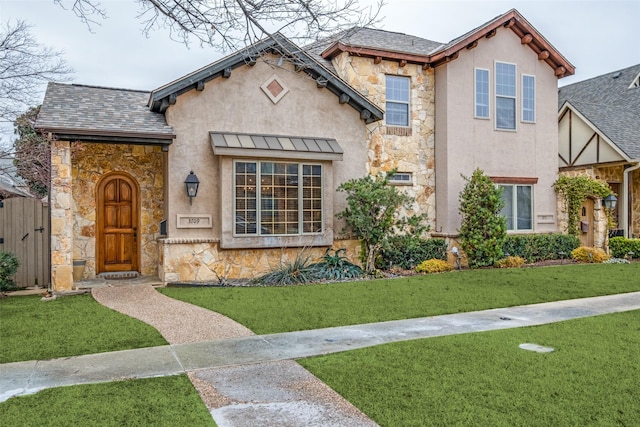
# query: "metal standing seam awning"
281 147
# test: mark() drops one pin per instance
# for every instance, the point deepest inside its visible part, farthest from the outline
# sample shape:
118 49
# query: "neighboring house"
10 184
272 130
599 136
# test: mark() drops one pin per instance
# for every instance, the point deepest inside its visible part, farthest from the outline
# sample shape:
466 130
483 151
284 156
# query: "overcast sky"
595 36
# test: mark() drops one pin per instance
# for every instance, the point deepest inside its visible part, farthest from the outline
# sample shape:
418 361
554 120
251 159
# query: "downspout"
628 213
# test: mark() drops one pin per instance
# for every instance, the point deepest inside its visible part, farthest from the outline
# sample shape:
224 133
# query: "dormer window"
636 82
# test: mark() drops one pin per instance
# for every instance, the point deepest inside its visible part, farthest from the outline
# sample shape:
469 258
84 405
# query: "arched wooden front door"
117 212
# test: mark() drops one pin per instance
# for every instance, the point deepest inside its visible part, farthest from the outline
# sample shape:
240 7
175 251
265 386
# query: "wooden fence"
24 231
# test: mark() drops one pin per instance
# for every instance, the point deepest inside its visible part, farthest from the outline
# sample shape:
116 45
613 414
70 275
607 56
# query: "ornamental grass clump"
586 254
336 266
433 266
510 262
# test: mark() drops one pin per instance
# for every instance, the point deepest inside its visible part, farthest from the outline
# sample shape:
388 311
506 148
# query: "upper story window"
277 198
397 106
528 98
505 96
481 93
518 206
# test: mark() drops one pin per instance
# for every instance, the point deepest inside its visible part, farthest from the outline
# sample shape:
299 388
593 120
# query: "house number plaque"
194 221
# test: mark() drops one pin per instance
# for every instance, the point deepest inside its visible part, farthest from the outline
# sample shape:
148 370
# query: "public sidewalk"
230 356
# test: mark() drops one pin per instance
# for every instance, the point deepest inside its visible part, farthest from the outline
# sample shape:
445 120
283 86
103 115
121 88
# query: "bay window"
277 198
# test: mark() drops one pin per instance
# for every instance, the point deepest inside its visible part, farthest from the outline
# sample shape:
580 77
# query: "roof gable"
161 98
610 103
411 49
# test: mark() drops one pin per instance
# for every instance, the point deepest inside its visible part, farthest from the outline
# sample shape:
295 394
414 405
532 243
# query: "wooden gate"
24 231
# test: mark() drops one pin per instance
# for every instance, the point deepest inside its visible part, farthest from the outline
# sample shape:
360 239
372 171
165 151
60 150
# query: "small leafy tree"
483 230
575 190
373 216
32 153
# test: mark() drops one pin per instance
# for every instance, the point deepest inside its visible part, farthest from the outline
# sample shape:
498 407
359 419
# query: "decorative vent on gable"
274 88
636 82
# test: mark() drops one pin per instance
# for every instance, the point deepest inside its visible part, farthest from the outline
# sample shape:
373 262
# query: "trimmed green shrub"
433 266
589 255
8 267
483 229
620 247
510 262
406 252
540 247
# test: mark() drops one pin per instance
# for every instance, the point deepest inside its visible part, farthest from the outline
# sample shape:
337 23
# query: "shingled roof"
610 103
381 44
78 112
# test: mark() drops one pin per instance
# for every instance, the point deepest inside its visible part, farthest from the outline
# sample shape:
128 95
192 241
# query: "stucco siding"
465 143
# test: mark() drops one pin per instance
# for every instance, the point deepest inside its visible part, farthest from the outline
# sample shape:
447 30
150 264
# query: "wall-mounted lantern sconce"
192 183
610 201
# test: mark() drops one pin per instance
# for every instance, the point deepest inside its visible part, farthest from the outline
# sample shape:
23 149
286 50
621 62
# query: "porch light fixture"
192 183
610 201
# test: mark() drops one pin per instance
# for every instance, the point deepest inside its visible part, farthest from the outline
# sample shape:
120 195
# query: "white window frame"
514 205
477 103
390 100
525 98
259 200
498 96
401 178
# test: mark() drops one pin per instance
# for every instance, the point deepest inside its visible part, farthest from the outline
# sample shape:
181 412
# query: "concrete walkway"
228 361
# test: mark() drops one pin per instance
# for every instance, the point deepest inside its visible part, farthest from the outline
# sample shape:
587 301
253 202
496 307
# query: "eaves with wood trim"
448 52
161 98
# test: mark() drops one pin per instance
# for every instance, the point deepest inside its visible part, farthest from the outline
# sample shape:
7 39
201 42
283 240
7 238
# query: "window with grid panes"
277 198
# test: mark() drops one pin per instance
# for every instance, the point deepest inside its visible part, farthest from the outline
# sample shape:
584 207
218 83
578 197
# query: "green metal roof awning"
281 147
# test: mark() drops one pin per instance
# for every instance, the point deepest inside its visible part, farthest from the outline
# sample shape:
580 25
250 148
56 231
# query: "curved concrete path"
246 373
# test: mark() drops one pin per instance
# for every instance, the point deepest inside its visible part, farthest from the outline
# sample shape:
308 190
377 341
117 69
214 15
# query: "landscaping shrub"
298 271
483 229
433 266
373 214
336 267
590 255
617 261
620 247
540 247
510 262
406 251
8 267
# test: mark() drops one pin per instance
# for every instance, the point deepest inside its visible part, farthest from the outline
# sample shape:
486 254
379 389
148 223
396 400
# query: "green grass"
484 379
169 401
282 309
31 329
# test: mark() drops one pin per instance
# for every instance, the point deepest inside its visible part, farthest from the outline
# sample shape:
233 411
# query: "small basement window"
401 178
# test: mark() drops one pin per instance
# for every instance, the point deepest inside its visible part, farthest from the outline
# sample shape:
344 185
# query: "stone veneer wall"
409 149
202 260
146 165
600 233
61 212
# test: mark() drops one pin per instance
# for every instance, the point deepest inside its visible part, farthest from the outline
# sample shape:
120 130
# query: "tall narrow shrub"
483 230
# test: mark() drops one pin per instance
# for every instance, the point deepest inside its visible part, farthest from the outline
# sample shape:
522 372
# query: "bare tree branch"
24 66
229 25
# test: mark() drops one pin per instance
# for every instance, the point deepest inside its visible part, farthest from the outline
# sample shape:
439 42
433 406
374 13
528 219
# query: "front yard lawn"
484 379
267 310
31 329
169 401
